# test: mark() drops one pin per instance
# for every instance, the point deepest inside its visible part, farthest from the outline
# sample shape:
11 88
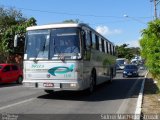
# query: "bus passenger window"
97 43
93 41
110 49
88 40
107 47
102 42
100 45
84 39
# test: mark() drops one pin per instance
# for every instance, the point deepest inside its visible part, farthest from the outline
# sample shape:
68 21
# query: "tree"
150 47
12 22
124 52
71 21
10 17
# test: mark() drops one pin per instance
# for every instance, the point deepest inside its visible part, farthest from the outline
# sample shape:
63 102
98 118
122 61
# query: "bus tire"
92 84
49 91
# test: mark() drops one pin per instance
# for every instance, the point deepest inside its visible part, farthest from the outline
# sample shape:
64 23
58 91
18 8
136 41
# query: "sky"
120 21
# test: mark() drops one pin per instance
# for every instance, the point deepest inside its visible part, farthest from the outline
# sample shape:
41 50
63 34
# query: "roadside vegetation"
150 49
12 22
123 51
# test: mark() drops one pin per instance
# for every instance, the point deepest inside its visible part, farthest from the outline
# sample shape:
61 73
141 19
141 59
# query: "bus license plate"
48 84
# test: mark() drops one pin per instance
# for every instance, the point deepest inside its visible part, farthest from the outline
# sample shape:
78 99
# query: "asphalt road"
118 97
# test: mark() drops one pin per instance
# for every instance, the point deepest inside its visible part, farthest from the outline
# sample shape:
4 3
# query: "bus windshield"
52 43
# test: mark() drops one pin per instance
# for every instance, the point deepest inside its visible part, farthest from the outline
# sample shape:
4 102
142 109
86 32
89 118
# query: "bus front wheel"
92 84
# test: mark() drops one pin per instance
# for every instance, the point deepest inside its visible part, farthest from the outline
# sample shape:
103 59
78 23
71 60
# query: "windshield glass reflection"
38 44
64 41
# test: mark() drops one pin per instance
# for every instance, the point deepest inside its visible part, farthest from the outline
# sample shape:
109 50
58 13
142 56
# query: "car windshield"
50 43
120 62
130 67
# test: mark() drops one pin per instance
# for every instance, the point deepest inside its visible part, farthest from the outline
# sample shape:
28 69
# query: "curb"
140 98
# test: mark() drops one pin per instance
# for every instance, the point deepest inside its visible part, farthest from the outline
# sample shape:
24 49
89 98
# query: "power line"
64 13
73 14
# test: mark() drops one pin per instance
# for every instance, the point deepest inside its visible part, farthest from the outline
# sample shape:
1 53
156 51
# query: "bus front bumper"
54 86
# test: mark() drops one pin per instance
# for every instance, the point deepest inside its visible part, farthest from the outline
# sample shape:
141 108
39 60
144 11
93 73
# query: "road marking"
18 103
124 105
139 101
146 74
140 97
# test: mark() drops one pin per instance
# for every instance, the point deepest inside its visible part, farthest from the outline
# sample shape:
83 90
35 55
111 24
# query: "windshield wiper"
60 55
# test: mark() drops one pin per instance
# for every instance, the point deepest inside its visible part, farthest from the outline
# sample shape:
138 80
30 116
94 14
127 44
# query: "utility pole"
155 7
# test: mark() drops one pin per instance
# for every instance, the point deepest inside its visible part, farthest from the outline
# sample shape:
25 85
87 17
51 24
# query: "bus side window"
90 36
97 42
100 45
107 47
88 39
84 39
110 49
93 41
103 49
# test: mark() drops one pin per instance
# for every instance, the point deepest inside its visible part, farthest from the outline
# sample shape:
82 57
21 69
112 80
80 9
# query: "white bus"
48 66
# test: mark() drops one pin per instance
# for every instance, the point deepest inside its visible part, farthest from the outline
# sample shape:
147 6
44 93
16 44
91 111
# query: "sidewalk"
151 98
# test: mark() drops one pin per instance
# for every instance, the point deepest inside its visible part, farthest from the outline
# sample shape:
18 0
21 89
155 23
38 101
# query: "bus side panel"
104 65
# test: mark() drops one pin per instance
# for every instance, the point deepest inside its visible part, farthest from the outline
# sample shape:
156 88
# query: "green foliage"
124 52
71 21
150 44
11 23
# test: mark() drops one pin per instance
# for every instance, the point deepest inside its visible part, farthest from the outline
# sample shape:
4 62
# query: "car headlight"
124 72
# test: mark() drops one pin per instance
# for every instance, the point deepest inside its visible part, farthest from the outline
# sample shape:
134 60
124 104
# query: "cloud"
132 43
104 30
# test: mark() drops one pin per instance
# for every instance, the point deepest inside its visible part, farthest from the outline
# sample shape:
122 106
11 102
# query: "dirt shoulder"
151 98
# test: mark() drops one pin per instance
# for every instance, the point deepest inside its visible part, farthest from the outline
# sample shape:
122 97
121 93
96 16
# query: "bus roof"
58 25
62 25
